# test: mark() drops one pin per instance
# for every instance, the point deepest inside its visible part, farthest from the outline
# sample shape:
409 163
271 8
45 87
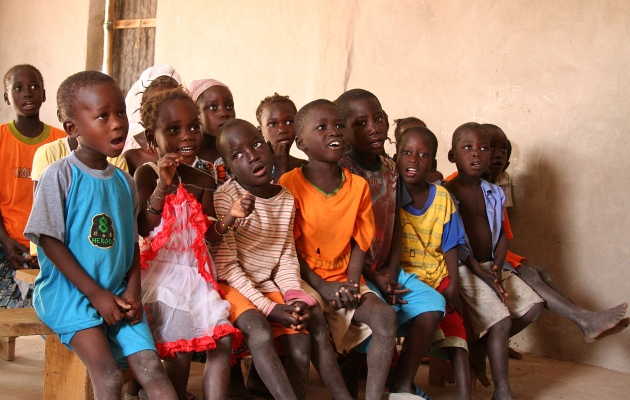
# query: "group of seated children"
225 244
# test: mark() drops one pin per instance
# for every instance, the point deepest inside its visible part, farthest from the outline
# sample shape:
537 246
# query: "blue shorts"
420 298
124 339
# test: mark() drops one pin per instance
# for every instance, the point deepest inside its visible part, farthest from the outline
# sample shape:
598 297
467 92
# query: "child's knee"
147 364
107 374
503 326
255 328
384 321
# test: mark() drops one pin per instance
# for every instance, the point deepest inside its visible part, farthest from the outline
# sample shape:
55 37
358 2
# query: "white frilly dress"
179 290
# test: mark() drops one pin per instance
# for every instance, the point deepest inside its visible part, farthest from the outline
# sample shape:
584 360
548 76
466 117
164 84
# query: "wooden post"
65 376
7 348
108 38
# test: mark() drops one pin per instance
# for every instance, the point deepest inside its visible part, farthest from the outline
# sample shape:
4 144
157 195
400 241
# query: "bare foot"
597 323
477 356
623 324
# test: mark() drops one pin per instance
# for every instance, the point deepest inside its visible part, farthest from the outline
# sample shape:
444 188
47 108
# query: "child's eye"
484 148
340 126
379 119
321 127
230 106
33 87
172 129
17 88
195 127
467 147
237 155
211 107
271 124
257 145
290 122
406 152
122 112
102 116
423 155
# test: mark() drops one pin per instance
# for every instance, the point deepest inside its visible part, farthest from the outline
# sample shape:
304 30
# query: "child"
404 123
334 227
481 206
276 116
419 308
178 197
270 279
216 105
432 230
88 290
593 324
139 151
19 139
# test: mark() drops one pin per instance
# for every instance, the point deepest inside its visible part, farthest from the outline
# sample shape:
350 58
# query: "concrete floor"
533 377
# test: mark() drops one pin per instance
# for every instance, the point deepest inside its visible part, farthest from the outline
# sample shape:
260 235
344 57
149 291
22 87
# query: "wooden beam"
135 23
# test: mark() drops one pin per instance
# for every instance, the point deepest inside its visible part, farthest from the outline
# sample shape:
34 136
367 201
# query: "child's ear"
259 129
434 165
70 127
43 95
59 116
299 143
451 156
6 99
150 135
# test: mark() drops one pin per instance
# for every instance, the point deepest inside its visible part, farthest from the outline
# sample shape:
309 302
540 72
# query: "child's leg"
324 357
381 318
518 324
544 275
178 370
149 372
414 348
594 324
461 371
92 348
297 352
257 335
216 374
497 342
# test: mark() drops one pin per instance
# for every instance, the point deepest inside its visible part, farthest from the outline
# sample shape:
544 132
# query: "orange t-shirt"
16 188
325 224
512 258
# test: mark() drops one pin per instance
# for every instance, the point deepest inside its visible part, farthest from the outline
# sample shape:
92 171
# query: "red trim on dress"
200 344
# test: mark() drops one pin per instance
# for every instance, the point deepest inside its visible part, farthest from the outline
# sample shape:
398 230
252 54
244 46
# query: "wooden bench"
65 376
7 342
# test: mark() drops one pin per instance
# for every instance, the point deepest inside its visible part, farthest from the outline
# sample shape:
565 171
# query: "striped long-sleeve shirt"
258 254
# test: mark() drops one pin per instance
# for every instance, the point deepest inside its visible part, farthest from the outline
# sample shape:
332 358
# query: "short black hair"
509 144
343 101
302 114
420 131
404 121
457 135
22 66
150 109
275 99
68 89
224 132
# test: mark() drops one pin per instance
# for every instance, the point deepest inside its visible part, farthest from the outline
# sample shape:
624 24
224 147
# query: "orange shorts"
239 304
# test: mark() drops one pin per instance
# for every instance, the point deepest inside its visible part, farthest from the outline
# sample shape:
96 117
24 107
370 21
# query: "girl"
179 288
276 116
216 105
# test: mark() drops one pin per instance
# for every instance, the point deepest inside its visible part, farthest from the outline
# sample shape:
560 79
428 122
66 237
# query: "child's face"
415 159
217 106
25 92
276 123
323 138
249 157
178 130
499 152
471 153
367 128
99 119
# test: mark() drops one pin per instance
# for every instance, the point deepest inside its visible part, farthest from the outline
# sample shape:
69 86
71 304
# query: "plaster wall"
554 75
52 36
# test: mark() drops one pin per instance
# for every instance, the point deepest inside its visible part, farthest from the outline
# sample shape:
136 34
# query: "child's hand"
243 206
495 283
109 306
167 167
14 252
302 314
134 313
284 315
341 294
390 288
453 301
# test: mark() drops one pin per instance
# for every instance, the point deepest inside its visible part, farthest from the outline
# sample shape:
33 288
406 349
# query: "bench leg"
65 376
7 348
440 372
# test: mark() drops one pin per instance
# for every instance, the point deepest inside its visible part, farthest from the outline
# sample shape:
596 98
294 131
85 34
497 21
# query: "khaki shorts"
346 333
485 307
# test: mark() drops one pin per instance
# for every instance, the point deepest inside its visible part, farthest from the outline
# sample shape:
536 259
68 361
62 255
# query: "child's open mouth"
118 143
377 144
411 171
334 144
260 170
185 151
29 105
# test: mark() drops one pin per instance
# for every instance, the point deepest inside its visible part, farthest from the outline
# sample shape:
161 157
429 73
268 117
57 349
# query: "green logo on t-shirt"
102 231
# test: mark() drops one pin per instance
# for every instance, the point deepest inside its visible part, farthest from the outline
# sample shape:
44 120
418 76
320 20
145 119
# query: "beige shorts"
485 307
346 332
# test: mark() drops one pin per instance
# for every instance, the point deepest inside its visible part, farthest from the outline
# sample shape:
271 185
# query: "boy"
19 139
593 324
88 290
420 310
258 258
432 232
334 227
481 206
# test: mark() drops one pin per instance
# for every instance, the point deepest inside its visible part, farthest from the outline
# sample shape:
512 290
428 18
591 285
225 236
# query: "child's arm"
12 249
133 293
386 279
489 278
451 293
106 303
499 253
